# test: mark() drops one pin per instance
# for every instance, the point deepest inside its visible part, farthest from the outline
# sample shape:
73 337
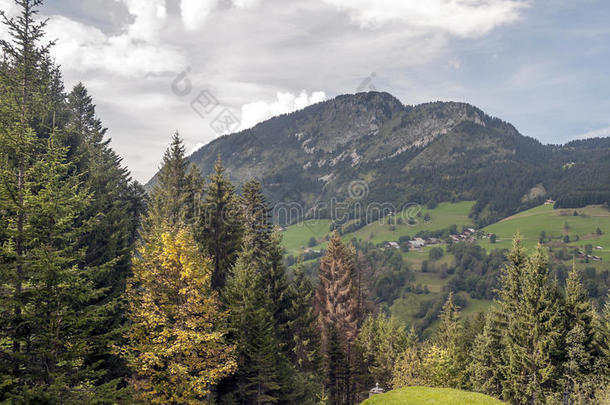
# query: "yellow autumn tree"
176 339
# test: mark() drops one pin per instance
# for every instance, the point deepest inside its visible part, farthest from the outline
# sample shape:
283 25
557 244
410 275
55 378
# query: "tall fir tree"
532 344
337 306
581 345
219 227
175 197
275 279
110 241
381 341
303 328
304 351
487 366
257 219
252 329
450 337
50 301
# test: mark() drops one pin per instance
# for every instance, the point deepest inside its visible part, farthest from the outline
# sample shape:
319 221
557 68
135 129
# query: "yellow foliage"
427 365
176 340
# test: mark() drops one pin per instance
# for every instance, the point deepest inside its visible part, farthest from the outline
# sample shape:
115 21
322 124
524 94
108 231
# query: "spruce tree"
486 374
450 338
110 241
257 219
219 226
581 347
252 330
173 199
278 289
305 345
337 306
533 337
381 341
50 301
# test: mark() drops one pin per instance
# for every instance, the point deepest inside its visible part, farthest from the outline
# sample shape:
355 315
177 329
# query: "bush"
312 242
435 253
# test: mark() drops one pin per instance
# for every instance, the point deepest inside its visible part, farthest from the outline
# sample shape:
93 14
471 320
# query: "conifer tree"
268 253
173 199
110 241
278 289
450 338
306 340
337 307
257 219
381 341
581 348
252 329
58 300
532 344
486 368
176 340
220 224
50 301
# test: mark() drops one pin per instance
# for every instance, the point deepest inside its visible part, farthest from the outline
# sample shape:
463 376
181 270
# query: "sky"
210 67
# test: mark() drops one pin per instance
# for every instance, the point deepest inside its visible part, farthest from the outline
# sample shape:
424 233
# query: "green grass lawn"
553 221
431 396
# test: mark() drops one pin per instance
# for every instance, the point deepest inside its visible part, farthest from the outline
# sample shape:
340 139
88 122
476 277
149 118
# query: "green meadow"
431 396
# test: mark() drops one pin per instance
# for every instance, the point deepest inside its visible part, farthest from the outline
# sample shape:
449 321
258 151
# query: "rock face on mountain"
429 152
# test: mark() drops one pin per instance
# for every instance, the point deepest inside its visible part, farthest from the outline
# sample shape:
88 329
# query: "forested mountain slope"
440 151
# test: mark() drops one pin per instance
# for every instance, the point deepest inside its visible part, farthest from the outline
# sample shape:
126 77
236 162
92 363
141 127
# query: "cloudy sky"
156 66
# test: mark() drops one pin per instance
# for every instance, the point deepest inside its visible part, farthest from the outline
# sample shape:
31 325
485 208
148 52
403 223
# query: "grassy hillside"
441 217
296 236
556 223
414 307
431 396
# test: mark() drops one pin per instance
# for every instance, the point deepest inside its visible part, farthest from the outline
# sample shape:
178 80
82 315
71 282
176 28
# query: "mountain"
427 153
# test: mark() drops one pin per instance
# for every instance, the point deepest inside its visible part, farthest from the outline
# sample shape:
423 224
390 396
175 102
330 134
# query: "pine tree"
381 341
50 302
486 368
173 199
281 296
450 338
304 351
581 348
220 224
252 331
337 306
257 219
306 340
532 342
176 340
111 240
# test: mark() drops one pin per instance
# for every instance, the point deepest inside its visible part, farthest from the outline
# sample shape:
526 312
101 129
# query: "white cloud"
597 133
137 51
150 16
463 18
195 12
246 4
82 48
253 113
